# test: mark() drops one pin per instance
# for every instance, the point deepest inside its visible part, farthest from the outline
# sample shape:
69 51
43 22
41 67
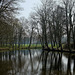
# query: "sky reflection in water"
36 62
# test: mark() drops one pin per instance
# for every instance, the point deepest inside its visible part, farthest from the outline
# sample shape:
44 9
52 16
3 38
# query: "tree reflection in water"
36 62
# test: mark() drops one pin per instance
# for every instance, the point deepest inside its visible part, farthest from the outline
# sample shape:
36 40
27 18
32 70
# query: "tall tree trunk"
67 30
31 38
50 35
45 37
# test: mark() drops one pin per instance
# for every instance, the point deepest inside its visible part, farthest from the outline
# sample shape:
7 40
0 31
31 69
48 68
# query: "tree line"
48 24
10 26
56 20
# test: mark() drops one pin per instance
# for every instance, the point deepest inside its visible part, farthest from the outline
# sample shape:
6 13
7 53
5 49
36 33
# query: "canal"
36 62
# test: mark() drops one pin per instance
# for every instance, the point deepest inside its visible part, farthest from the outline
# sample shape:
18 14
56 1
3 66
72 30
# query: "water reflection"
36 62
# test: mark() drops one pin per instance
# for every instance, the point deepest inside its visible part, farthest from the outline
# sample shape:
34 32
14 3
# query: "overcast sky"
28 6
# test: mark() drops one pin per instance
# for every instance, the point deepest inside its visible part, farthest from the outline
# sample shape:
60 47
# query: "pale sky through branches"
28 7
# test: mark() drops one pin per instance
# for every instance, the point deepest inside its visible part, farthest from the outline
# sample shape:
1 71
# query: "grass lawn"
25 46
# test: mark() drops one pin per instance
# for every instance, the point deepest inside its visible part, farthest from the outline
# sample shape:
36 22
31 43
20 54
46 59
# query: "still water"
36 62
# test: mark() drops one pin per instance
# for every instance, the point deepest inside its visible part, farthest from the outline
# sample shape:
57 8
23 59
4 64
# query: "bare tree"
33 24
59 24
43 13
69 6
